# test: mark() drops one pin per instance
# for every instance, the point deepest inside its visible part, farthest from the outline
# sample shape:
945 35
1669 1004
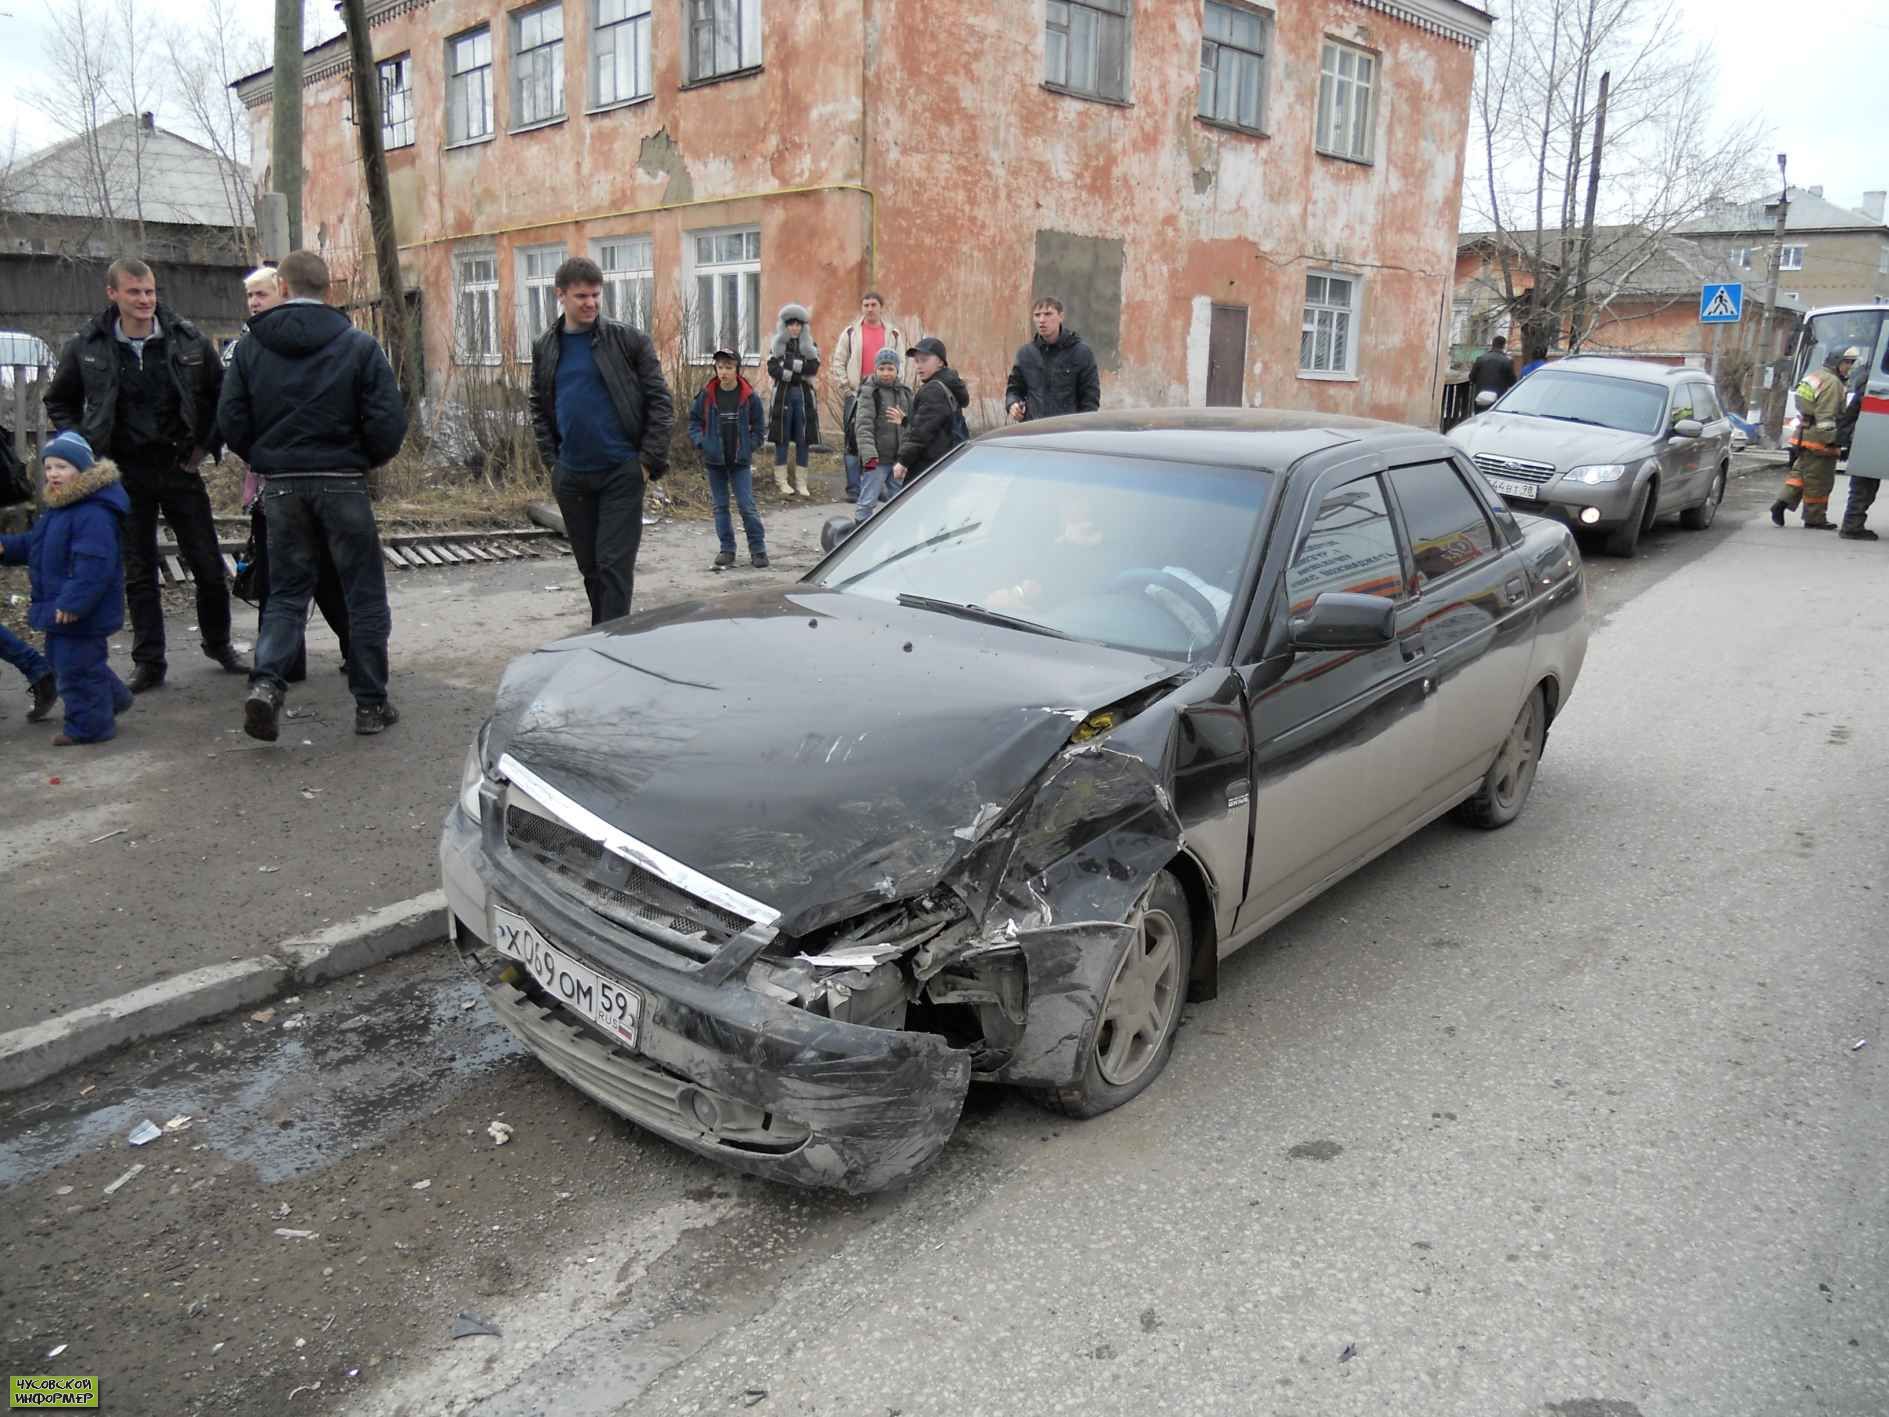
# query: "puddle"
287 1102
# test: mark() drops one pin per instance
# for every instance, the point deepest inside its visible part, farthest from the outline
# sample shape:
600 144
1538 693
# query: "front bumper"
762 1086
1565 501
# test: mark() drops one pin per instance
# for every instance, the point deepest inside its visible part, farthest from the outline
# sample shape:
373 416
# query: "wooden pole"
1774 397
1577 331
380 207
285 114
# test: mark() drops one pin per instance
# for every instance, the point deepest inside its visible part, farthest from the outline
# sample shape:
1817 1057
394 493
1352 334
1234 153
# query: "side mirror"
1688 428
1341 620
836 530
1486 399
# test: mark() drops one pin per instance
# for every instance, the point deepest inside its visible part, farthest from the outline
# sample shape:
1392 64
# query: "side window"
1350 546
1681 404
1448 527
1705 404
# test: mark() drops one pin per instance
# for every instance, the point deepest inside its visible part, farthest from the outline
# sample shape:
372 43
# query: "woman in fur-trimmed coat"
794 417
77 576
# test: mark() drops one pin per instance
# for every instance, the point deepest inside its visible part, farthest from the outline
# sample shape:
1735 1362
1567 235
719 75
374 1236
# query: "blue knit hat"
72 447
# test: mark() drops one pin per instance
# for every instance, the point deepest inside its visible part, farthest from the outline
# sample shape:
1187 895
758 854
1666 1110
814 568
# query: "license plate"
1508 487
615 1008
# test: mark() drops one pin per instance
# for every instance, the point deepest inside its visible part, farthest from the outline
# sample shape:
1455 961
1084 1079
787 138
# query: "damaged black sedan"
989 794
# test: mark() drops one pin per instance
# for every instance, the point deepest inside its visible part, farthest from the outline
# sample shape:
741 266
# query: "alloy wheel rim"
1718 495
1515 764
1142 1002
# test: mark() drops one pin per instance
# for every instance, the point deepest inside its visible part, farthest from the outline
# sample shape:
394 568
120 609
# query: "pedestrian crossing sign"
1722 304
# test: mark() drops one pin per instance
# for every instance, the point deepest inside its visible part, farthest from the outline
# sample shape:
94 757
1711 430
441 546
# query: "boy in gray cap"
882 408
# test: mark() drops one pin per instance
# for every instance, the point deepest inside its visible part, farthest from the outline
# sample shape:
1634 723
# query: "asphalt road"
1564 1120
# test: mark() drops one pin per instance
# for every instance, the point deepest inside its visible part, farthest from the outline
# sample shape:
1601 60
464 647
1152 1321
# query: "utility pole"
285 113
1774 396
1577 323
380 206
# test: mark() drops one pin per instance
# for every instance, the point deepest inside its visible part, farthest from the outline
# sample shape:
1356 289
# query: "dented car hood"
816 750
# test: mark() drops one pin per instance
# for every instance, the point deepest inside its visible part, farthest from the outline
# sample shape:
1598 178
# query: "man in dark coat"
603 415
1493 370
936 423
140 384
312 404
1055 372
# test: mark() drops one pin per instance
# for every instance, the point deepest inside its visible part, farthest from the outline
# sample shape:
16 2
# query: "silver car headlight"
471 775
1596 473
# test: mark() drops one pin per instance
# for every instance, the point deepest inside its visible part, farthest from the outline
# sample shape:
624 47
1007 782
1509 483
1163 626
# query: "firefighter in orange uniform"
1820 400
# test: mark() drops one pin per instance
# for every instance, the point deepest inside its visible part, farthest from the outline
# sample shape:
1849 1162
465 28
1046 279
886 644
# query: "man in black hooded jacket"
935 425
312 403
1055 372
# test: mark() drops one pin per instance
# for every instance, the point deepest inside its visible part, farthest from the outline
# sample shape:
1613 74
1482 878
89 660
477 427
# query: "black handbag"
244 586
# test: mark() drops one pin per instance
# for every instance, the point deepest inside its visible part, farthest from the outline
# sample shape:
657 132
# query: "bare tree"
80 61
206 60
1665 158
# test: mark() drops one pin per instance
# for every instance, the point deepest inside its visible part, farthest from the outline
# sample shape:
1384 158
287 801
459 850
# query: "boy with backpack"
78 584
937 423
879 408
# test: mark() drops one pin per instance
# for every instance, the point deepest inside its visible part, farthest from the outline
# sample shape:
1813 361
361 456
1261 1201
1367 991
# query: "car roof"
1625 368
1230 437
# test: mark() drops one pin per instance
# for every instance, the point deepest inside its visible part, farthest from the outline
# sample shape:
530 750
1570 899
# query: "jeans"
854 470
329 598
92 694
179 495
740 481
876 488
304 515
793 427
603 520
22 656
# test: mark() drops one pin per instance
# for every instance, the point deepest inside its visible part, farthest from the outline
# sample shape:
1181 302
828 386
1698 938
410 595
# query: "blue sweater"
73 558
591 437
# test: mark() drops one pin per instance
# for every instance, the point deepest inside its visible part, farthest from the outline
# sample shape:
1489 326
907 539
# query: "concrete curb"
41 1050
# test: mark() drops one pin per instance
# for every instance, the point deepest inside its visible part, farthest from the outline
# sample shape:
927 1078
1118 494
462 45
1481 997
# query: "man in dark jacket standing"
141 385
934 427
312 404
602 414
1493 372
1055 372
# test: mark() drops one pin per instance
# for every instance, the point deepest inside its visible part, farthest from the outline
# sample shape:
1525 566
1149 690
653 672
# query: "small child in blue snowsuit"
78 583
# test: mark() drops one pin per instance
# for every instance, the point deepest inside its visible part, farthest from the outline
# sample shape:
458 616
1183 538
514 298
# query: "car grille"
1519 468
619 891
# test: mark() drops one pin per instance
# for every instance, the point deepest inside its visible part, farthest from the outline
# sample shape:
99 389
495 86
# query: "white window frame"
630 29
396 101
1211 49
708 18
477 292
463 125
1882 260
709 318
1346 122
1312 323
1061 30
1739 258
536 268
629 277
1790 258
529 61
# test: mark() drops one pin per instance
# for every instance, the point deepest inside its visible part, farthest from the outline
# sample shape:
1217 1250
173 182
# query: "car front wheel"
1626 536
1133 1036
1505 786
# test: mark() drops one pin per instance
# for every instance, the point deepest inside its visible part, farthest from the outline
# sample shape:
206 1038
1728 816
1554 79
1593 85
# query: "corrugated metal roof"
166 179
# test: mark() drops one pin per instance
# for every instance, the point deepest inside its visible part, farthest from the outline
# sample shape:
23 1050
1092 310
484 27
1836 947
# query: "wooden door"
1226 357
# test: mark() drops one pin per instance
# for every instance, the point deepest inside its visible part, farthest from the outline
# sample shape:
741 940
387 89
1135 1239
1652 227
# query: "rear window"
1630 405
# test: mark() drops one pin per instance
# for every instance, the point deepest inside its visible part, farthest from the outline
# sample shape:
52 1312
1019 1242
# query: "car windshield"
1138 554
1627 404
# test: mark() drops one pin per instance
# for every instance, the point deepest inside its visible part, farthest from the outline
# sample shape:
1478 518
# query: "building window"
1740 258
629 279
475 307
1325 342
724 37
728 292
537 293
469 86
1882 261
1086 47
1233 65
396 101
1791 258
619 66
538 65
1347 83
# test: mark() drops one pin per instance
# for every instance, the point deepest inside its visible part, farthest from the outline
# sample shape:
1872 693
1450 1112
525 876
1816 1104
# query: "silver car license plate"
615 1008
1508 487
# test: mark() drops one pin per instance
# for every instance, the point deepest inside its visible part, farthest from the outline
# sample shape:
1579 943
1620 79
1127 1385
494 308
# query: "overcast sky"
1826 101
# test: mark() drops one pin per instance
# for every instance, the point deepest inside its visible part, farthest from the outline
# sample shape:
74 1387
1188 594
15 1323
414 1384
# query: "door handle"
1515 589
1411 647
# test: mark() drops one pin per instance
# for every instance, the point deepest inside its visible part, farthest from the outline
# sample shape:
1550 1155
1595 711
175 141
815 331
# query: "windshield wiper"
1573 418
978 612
911 550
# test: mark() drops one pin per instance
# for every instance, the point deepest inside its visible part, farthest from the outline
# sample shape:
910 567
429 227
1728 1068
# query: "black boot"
45 692
227 658
1778 509
146 676
375 718
1859 532
260 710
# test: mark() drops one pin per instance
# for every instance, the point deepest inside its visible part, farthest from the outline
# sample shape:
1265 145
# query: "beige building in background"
1833 255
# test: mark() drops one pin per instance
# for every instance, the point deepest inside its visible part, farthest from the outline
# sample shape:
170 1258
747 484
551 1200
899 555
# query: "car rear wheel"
1700 517
1627 535
1133 1037
1506 785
